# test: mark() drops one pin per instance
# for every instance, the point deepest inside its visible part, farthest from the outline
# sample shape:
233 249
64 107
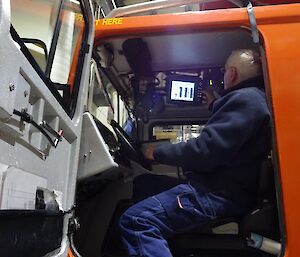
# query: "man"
225 160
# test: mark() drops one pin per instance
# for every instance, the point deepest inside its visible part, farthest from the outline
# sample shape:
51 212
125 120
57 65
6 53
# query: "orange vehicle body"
279 27
70 254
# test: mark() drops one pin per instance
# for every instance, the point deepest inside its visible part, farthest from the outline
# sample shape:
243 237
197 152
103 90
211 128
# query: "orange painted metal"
79 26
279 27
283 52
75 59
70 254
180 22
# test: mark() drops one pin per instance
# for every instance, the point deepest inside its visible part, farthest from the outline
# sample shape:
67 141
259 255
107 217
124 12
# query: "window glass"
34 21
177 133
68 44
53 32
100 96
180 7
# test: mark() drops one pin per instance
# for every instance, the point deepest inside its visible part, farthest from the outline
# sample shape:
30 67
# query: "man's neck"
252 82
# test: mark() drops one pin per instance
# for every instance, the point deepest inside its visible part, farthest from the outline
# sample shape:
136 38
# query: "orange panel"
70 254
79 25
75 59
279 26
282 50
174 23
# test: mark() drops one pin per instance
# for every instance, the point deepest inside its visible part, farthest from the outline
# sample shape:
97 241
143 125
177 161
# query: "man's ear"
233 74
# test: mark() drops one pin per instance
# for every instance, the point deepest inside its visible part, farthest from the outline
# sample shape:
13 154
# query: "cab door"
45 56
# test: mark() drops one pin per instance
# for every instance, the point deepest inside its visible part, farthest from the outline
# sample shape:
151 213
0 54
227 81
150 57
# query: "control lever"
44 127
58 135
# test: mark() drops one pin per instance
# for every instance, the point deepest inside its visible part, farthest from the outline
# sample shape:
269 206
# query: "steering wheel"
128 147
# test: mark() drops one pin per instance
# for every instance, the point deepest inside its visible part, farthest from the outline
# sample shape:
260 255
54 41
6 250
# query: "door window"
53 33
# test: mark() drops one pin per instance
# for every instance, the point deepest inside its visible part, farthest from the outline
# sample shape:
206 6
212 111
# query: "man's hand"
149 152
208 95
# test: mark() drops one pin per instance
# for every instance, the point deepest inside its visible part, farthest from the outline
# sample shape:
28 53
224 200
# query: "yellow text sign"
110 21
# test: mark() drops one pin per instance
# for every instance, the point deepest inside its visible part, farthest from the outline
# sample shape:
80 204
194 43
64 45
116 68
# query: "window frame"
69 105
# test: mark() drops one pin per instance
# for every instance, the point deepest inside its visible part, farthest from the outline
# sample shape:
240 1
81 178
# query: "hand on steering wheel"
128 147
149 153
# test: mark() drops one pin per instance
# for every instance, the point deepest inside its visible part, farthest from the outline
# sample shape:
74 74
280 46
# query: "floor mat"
113 246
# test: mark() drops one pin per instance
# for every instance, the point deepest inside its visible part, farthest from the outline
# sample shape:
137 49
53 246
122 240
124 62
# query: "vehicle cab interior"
148 89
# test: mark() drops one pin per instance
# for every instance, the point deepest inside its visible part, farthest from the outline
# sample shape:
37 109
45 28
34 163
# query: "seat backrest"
264 219
266 183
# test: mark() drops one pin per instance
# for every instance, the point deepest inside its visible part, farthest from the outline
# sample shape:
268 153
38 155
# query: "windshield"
176 133
142 8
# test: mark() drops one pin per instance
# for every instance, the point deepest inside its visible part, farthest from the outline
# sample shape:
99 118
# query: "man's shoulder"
245 95
249 96
243 92
247 92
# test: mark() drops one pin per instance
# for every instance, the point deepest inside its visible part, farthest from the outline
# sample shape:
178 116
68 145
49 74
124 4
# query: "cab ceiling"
187 51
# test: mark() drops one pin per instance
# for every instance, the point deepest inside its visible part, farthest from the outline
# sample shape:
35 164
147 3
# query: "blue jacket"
227 156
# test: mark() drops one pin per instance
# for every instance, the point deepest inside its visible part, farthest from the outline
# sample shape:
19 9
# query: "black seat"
263 220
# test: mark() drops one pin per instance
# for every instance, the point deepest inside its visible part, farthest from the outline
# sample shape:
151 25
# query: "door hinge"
73 225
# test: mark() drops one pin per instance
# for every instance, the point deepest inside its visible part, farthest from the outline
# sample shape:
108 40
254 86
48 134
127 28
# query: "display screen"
182 90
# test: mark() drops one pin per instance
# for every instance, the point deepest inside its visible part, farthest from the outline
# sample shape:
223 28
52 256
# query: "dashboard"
96 149
107 135
185 88
101 153
154 94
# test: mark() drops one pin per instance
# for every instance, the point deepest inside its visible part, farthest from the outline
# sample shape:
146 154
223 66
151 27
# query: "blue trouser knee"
144 228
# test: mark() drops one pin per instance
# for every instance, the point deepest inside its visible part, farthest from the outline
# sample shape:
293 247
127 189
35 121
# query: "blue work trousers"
146 226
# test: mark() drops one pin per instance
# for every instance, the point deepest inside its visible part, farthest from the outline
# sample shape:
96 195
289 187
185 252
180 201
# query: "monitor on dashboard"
183 89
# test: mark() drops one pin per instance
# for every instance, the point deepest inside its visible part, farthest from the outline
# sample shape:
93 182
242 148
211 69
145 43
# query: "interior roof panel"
186 51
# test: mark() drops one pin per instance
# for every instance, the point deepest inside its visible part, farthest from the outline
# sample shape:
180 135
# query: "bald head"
240 66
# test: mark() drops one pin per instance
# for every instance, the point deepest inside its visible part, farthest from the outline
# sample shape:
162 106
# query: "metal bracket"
253 24
43 127
73 225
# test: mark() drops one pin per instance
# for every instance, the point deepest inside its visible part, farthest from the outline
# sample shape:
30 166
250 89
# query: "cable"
28 118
